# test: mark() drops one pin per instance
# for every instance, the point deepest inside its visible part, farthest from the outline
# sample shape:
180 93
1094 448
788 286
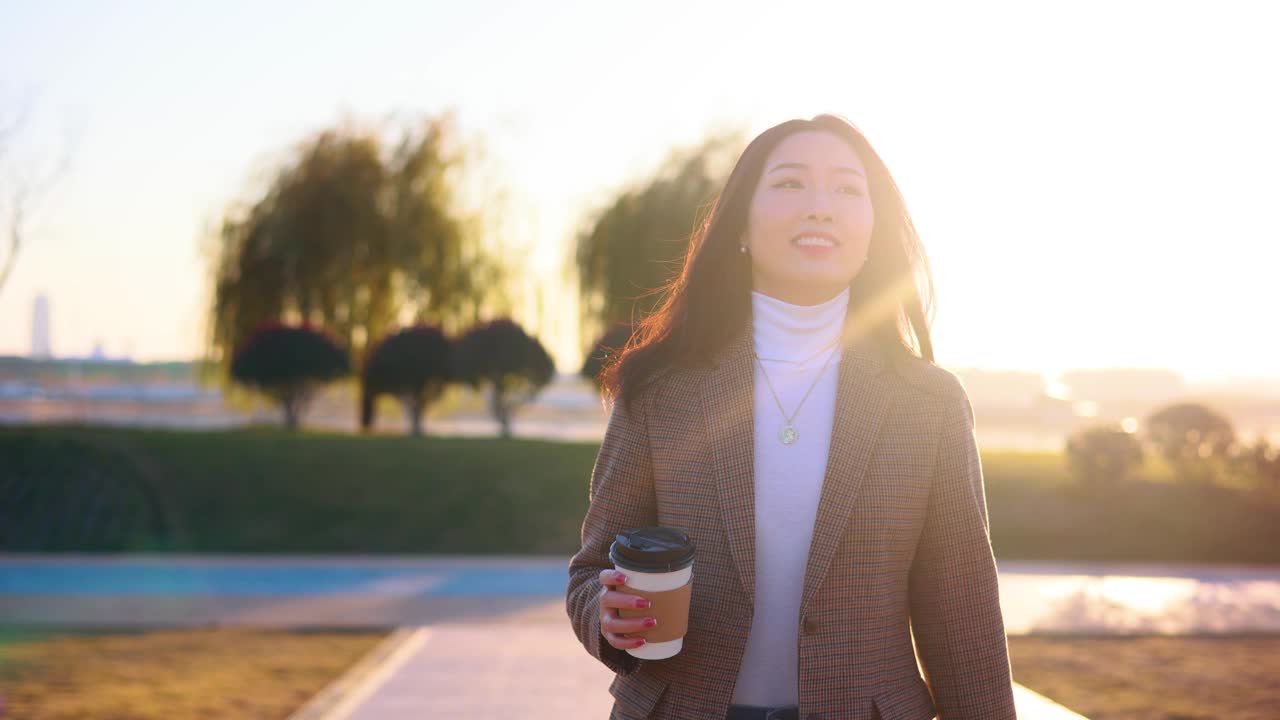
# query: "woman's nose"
819 214
821 208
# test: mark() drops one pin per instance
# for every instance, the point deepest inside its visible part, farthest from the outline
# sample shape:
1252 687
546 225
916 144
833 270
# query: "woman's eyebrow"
802 166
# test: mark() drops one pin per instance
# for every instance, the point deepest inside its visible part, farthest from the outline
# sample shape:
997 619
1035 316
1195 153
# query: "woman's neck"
803 295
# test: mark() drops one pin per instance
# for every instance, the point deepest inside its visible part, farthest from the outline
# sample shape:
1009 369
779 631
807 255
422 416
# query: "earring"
742 249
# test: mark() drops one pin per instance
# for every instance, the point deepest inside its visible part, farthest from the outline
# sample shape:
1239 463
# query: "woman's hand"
613 627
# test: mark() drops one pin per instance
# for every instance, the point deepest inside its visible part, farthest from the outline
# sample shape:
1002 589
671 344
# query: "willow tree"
355 234
636 242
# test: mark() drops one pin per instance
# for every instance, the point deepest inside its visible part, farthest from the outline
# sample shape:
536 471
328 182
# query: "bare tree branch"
15 235
10 130
27 195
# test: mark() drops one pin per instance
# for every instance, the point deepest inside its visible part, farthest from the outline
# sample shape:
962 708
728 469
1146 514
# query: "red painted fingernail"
639 642
620 578
650 622
642 603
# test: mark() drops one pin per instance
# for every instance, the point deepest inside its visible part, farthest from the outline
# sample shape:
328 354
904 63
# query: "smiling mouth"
814 241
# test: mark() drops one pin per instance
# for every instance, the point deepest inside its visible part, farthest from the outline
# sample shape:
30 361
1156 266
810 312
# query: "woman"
782 407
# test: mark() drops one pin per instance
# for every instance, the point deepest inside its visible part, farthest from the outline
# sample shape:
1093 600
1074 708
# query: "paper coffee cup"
658 563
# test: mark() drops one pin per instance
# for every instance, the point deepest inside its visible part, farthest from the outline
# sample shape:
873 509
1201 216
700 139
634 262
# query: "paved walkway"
535 671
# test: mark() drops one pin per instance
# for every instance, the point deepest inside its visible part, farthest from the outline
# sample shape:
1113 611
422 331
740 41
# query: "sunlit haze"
1095 183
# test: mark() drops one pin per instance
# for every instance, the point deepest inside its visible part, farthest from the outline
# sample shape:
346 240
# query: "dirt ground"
1154 678
207 674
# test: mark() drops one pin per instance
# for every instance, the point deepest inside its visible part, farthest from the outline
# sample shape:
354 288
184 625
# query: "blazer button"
810 625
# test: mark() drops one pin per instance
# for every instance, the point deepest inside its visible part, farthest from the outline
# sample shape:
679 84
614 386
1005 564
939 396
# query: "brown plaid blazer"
900 547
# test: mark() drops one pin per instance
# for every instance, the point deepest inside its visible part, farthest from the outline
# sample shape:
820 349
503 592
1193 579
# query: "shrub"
1103 454
414 365
289 364
611 342
1191 437
501 355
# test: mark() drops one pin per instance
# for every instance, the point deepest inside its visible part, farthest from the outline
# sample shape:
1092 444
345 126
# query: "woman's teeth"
810 241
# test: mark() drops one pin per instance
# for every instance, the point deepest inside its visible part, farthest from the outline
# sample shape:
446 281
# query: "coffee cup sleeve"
669 607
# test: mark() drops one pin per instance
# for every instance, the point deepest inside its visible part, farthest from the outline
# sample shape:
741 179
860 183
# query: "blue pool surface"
177 579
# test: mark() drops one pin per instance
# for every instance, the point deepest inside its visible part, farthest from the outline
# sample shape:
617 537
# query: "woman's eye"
850 189
788 184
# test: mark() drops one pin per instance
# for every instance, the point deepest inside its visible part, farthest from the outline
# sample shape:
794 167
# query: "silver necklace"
805 361
788 435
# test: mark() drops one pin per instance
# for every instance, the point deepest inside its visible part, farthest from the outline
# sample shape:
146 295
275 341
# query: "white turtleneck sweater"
788 482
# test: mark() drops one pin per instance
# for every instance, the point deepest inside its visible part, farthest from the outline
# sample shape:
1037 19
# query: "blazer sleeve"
621 497
954 592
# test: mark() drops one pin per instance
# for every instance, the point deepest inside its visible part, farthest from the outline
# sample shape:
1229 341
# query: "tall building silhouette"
40 345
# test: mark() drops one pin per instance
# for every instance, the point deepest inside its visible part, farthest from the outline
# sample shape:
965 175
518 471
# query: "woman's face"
809 224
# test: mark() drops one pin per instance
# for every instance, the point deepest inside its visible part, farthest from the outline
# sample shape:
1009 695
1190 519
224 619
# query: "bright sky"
1096 183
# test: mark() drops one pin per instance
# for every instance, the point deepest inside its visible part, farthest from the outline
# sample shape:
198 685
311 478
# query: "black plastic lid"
652 549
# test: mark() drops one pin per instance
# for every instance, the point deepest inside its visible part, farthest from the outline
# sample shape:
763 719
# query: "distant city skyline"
1109 208
1101 381
41 343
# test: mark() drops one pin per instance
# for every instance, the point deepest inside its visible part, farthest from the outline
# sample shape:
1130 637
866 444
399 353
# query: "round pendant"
788 435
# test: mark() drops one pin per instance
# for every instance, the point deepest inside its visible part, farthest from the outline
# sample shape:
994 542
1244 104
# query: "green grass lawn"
271 491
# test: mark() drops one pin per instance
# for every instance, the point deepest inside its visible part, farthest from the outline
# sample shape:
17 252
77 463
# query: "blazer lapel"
863 399
728 403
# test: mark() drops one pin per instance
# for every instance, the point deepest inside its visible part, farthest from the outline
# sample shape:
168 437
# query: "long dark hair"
709 302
